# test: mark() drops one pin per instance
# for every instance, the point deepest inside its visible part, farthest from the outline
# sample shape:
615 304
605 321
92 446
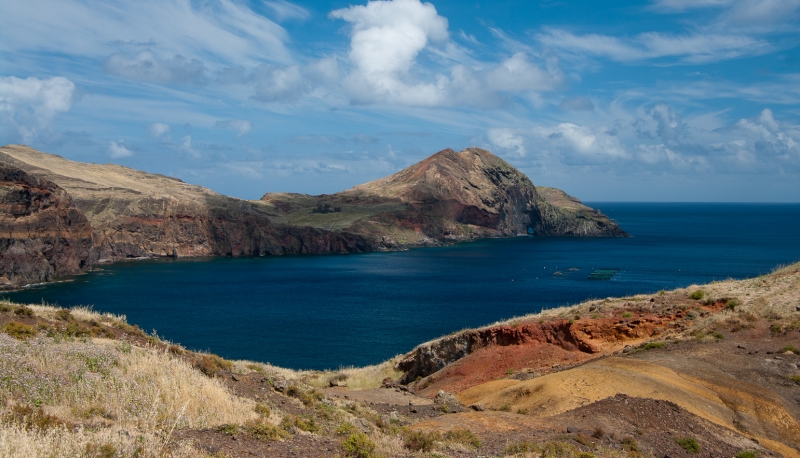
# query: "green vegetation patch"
358 445
421 441
653 345
19 330
697 295
689 444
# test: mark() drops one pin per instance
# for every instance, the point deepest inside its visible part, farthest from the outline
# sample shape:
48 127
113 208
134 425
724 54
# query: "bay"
317 312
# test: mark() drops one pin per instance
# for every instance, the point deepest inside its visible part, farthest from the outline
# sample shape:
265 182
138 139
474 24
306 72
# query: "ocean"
329 311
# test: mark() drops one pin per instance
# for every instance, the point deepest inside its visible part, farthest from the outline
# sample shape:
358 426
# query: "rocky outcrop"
42 234
450 196
136 214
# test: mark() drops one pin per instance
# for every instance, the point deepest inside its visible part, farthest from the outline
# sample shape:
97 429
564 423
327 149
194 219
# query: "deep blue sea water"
339 310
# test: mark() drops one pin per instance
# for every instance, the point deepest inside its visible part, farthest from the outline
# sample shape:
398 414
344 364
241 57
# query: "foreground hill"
707 371
450 196
446 198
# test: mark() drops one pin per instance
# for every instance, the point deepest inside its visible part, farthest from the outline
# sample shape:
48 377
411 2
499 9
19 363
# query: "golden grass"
357 378
114 387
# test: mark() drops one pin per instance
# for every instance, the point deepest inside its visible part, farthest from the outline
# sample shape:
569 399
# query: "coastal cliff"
450 196
136 214
114 213
42 233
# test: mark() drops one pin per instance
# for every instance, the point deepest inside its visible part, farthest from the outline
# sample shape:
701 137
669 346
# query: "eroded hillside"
709 370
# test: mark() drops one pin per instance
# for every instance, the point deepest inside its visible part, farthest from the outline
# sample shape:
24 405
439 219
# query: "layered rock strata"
42 233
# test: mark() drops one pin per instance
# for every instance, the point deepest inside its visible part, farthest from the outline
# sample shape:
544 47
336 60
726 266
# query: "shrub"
732 303
521 447
264 431
64 315
790 348
697 295
210 365
505 408
345 429
23 311
630 444
262 410
305 424
19 330
559 449
599 432
689 444
627 315
464 437
652 345
420 441
358 445
746 454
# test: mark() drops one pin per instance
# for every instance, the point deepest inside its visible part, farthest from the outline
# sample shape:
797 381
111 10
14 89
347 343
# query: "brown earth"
647 375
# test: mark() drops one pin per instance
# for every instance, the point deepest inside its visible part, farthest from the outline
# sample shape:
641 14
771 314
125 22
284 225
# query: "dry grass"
357 378
112 387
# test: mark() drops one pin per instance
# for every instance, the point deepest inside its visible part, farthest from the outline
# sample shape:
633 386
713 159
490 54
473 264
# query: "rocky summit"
59 217
450 196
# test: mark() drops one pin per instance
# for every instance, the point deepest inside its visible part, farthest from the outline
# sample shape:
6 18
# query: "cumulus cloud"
118 150
186 146
29 106
507 139
682 5
240 126
386 38
146 66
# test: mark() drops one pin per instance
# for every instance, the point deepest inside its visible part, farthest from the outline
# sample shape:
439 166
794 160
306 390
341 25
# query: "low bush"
521 447
731 303
19 330
211 365
33 418
305 424
689 444
746 454
421 441
262 410
358 445
464 437
790 348
697 295
264 431
652 345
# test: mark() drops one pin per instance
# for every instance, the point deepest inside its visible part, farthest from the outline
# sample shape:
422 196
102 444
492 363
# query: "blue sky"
667 100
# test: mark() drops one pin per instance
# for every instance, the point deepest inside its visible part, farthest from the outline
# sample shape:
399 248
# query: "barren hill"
449 196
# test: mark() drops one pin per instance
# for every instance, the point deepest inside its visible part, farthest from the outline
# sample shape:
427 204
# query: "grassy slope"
79 383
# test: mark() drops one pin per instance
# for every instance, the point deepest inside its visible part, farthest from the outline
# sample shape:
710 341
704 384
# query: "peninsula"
60 217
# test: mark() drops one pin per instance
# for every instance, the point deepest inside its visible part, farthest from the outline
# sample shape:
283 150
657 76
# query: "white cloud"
386 38
507 139
158 129
29 105
692 48
186 146
682 5
241 126
577 104
217 31
118 150
284 10
518 74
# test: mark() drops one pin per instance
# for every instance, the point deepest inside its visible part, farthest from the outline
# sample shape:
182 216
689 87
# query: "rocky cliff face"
42 234
136 214
450 196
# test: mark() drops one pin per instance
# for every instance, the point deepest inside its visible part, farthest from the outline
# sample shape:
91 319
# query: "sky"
661 100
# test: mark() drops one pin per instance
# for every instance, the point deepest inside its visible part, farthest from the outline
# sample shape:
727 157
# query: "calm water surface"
330 311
